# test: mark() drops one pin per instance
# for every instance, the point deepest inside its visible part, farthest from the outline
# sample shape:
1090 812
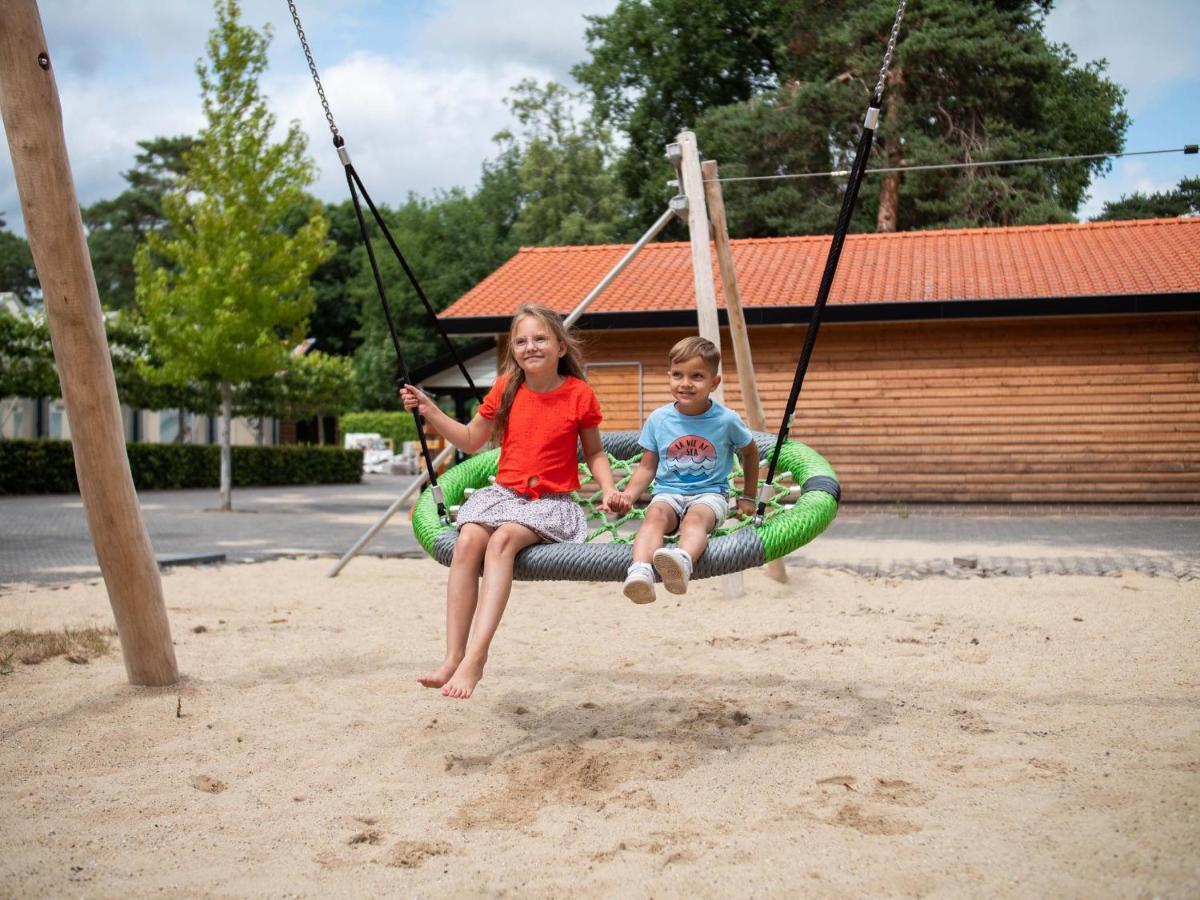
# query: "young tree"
227 292
1183 201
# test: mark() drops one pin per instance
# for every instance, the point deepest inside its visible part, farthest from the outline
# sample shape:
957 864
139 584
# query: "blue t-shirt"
695 453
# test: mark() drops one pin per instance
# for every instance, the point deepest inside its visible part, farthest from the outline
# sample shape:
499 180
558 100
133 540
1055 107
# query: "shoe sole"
640 591
673 574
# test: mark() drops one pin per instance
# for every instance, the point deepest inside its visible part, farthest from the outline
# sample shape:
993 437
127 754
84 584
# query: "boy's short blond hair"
691 347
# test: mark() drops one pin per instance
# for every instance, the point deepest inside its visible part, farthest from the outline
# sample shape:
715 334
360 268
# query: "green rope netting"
621 530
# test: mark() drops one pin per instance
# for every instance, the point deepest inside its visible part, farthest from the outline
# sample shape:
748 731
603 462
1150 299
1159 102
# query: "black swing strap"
862 154
355 185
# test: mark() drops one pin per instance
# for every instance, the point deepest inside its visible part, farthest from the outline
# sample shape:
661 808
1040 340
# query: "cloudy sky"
417 86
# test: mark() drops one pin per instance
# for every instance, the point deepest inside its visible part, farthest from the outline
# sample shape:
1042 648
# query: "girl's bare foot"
441 675
466 676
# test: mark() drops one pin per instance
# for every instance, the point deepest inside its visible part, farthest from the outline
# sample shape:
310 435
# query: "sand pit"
834 737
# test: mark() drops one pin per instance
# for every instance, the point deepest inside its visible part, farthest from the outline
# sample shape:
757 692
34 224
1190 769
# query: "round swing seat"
805 502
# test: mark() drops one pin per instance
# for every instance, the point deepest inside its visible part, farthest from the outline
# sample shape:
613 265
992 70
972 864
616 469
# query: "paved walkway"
45 538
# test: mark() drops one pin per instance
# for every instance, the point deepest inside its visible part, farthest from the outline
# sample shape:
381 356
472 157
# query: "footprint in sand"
900 792
208 784
464 765
414 854
851 815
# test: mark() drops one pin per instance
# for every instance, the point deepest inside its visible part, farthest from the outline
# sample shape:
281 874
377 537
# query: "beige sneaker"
675 568
639 583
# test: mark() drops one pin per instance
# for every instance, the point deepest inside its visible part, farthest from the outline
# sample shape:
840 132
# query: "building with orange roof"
1054 363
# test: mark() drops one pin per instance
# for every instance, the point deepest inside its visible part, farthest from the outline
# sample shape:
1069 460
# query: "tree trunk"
258 430
226 446
890 150
320 431
889 198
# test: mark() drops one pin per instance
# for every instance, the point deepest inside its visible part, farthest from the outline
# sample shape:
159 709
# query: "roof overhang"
907 311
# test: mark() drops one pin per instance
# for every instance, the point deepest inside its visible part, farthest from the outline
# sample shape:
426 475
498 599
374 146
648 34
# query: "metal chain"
891 48
312 67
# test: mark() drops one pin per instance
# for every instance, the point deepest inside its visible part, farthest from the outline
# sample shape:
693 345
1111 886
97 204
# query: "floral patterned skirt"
555 518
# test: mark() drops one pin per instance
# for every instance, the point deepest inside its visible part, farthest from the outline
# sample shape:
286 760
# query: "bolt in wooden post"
33 123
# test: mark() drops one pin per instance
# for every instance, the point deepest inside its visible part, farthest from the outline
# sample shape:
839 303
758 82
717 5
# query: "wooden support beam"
33 123
739 337
692 182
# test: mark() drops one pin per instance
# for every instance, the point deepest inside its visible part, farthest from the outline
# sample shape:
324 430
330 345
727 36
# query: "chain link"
312 68
891 48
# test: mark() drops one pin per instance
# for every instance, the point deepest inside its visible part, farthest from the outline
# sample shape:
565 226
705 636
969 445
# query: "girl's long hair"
570 363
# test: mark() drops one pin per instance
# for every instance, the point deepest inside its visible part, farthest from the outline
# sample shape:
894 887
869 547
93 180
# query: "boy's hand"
617 502
746 506
415 399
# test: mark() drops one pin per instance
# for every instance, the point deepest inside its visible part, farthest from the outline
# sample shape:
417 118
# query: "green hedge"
48 467
399 426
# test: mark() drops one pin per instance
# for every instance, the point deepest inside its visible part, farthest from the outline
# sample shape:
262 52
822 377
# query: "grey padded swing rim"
609 562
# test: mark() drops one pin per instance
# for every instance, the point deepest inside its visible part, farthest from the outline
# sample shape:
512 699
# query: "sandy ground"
832 737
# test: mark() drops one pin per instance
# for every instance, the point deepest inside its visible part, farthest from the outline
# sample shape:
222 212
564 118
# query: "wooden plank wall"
1051 410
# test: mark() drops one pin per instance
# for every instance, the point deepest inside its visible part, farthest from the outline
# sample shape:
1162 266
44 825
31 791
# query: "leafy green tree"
657 65
970 81
27 367
335 318
26 357
17 274
225 292
314 385
1183 201
117 227
451 242
567 195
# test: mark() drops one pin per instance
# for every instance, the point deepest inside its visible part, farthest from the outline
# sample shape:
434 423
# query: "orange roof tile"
1157 256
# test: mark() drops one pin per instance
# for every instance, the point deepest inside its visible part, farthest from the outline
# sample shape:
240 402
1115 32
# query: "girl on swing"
541 407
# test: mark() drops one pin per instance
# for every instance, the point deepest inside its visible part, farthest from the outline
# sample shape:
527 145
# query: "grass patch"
79 645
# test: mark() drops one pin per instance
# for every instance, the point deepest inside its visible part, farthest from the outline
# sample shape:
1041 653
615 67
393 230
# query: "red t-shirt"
542 434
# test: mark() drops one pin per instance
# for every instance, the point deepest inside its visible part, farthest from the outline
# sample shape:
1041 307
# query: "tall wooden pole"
706 295
692 182
739 337
33 123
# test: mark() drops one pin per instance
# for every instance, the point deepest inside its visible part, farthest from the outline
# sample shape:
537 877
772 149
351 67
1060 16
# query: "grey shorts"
555 518
681 503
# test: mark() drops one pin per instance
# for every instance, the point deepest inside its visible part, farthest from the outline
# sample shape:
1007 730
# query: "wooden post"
692 183
706 295
33 122
738 335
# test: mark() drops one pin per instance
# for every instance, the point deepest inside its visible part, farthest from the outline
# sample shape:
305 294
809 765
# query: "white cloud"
1149 45
542 34
406 128
419 114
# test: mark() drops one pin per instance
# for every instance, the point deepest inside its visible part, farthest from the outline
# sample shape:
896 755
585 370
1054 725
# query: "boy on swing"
688 453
